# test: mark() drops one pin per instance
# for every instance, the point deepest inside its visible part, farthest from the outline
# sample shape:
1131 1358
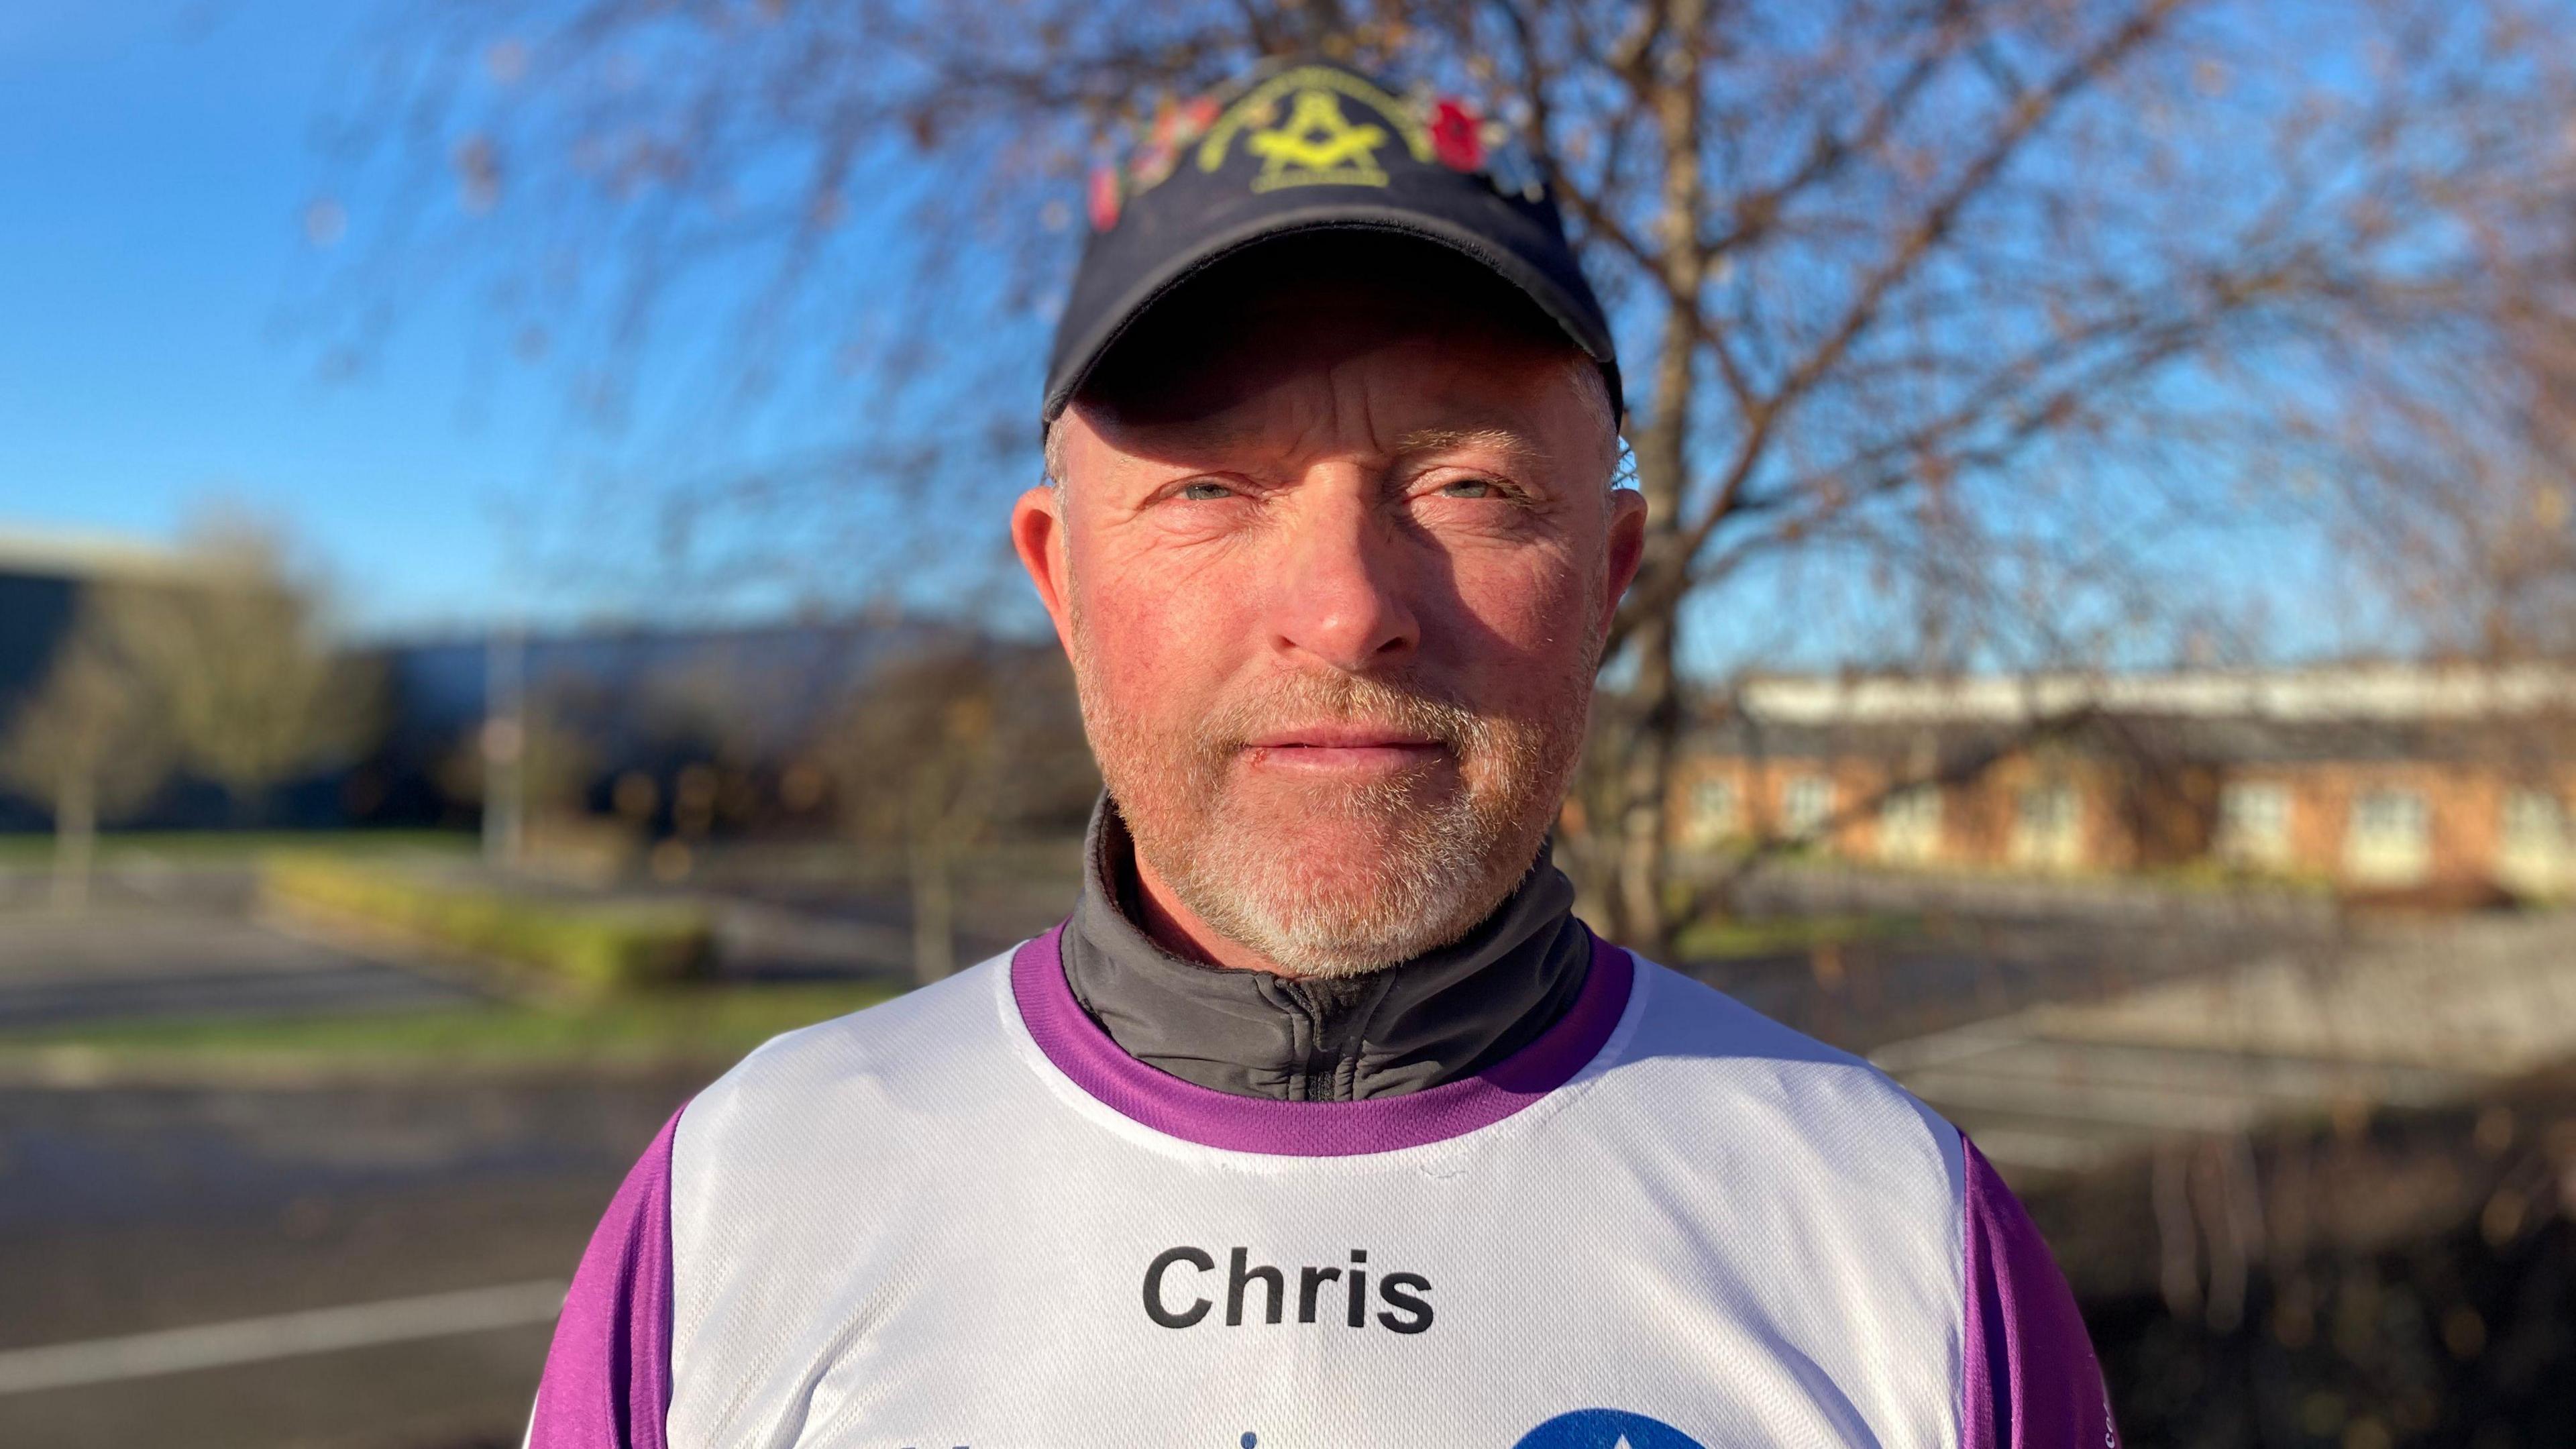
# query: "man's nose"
1344 580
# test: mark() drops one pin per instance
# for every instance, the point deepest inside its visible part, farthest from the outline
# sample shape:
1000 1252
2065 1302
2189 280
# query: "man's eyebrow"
1502 440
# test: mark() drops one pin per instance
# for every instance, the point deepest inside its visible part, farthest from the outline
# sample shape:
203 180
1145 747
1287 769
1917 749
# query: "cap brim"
1158 285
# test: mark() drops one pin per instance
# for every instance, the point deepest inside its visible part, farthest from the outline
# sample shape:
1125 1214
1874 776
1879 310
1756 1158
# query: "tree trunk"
934 913
75 842
1654 716
1644 786
934 900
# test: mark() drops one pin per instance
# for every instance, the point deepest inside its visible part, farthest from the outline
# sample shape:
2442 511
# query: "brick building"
2365 776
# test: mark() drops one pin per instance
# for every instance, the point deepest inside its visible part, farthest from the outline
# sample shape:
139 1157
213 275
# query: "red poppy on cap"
1104 197
1455 136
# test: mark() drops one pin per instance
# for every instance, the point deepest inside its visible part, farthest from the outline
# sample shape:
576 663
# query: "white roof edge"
74 554
2356 691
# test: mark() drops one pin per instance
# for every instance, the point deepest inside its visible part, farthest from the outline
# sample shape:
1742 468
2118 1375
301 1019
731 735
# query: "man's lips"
1341 737
1343 747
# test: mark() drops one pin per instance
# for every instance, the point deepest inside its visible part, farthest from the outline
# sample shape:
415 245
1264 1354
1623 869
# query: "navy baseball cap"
1314 147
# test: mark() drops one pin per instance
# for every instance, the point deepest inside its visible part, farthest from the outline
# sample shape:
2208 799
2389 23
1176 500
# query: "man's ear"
1038 536
1627 549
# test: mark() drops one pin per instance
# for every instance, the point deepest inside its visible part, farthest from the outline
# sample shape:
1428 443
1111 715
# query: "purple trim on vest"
1082 1051
608 1377
2028 1378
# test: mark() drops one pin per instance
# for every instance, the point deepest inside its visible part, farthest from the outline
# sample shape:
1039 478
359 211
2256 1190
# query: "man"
1321 1122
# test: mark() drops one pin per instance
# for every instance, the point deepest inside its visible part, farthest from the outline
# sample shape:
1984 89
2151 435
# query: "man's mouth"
1343 748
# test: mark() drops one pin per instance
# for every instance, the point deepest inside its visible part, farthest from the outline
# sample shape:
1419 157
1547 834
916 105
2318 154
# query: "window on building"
1806 805
2389 840
1714 810
2535 850
2047 829
1909 824
2534 817
2254 824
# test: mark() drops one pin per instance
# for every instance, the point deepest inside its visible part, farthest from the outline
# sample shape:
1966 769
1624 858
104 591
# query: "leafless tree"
953 746
2480 554
237 664
1960 320
91 742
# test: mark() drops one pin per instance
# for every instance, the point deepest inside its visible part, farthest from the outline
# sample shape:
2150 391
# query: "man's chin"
1331 836
1316 929
1389 805
1332 893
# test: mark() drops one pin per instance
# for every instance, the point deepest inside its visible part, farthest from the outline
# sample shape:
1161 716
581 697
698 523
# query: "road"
232 1209
123 1212
350 1266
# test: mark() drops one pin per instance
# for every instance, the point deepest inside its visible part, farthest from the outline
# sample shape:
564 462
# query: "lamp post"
504 743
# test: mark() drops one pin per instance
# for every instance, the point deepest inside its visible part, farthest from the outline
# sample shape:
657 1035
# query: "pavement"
1951 971
160 940
163 962
2411 1015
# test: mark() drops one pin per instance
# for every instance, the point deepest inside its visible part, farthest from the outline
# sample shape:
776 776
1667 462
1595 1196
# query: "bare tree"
950 748
249 688
91 742
1959 321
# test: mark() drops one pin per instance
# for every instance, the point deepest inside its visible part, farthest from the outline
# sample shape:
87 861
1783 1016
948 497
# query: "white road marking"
281 1335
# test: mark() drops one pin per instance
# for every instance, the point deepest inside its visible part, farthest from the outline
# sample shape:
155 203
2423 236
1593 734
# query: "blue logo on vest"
1605 1429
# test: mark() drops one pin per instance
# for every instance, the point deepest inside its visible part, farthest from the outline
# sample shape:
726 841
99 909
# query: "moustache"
1397 703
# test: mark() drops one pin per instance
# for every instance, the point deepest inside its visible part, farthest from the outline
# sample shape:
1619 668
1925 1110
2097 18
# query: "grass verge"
1728 939
707 1024
229 847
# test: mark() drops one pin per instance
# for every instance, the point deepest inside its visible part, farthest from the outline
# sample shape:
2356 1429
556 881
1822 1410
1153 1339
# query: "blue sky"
154 164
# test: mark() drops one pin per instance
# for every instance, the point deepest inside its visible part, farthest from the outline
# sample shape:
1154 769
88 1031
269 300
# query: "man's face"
1334 582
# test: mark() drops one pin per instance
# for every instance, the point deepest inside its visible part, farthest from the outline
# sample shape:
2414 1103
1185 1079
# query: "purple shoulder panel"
608 1377
2028 1379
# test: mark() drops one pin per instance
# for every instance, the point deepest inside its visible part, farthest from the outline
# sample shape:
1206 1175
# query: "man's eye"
1468 488
1205 492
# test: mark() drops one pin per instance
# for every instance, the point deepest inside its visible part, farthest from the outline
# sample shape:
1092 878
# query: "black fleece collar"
1446 1014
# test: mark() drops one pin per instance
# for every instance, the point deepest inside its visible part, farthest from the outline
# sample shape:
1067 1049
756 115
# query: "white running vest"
964 1220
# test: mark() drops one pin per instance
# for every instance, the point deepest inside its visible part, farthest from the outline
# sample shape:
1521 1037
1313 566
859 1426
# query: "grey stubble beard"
1451 855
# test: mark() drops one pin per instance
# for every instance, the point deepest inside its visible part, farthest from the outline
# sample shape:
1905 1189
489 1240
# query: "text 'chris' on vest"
1178 1295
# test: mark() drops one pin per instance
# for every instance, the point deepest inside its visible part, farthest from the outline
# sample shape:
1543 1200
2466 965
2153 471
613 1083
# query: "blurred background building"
2370 777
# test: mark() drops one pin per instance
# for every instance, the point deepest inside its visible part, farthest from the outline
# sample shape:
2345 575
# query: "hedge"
597 946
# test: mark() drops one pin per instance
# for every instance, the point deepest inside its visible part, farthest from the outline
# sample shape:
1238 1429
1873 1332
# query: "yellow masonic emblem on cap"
1316 144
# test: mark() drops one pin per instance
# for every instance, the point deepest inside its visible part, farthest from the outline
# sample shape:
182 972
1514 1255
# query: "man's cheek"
1150 647
1525 618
